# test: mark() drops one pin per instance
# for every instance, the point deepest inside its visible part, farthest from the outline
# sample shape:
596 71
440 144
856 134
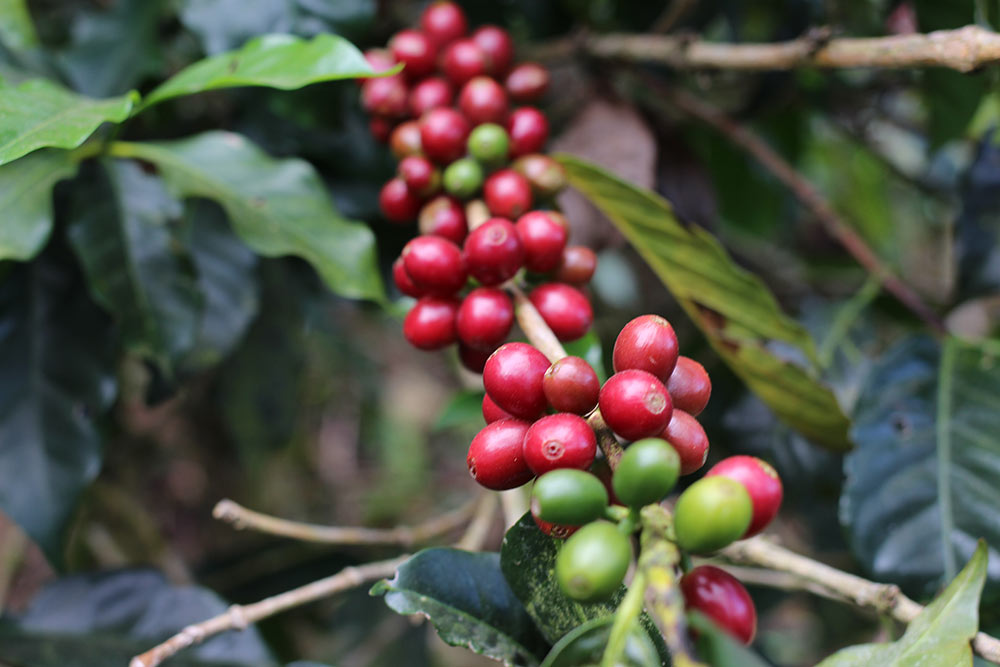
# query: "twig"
606 438
238 617
244 519
478 528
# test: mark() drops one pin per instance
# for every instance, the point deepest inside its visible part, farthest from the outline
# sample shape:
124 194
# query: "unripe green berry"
648 470
489 144
593 561
568 496
463 178
711 514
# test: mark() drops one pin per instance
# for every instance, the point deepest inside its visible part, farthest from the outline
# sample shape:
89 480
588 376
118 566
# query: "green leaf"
921 486
589 349
467 599
275 61
56 379
940 635
952 99
718 648
278 207
584 646
464 408
26 201
17 32
39 113
736 312
135 265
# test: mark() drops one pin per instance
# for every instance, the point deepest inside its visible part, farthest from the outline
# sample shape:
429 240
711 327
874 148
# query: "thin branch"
477 530
238 617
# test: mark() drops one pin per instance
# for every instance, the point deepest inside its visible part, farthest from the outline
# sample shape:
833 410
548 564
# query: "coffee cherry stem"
625 619
630 522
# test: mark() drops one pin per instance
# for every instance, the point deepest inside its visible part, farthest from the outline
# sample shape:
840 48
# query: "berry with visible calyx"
463 178
527 82
686 435
443 22
507 194
435 264
430 93
711 514
528 129
513 379
546 176
462 60
416 51
397 202
380 128
593 561
689 386
495 458
483 100
646 473
493 412
635 404
648 343
568 496
497 46
380 60
443 133
420 175
544 237
489 144
485 318
564 308
761 482
403 280
405 140
562 440
493 251
722 598
577 266
443 216
558 531
571 385
473 359
430 324
385 96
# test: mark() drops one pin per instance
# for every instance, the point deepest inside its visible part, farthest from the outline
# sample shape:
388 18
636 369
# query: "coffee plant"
562 197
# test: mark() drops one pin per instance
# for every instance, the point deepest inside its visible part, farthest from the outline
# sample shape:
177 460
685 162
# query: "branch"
238 617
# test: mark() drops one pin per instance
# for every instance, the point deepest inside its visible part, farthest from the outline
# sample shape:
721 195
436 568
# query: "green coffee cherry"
568 496
648 470
593 561
712 513
463 178
489 144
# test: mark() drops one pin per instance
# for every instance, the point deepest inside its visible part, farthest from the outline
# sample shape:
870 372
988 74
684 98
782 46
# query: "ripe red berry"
473 359
493 412
577 266
380 60
495 459
493 251
528 129
420 175
462 60
648 343
564 308
689 386
435 264
497 46
527 82
635 404
405 139
571 385
403 280
416 51
380 128
555 530
686 435
720 596
544 239
397 202
385 96
507 194
483 100
430 324
513 379
485 318
762 483
443 133
443 216
443 22
430 93
546 176
561 440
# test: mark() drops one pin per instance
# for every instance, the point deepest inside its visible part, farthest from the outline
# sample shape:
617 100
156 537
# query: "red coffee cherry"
686 435
420 175
507 194
443 22
527 82
403 280
416 51
430 93
635 404
497 46
483 100
430 324
561 440
443 133
546 176
565 309
473 359
571 385
544 239
720 596
762 483
380 60
577 266
528 129
555 530
495 459
386 96
493 251
463 60
493 412
380 128
398 204
485 318
405 139
513 379
435 264
689 386
648 343
443 216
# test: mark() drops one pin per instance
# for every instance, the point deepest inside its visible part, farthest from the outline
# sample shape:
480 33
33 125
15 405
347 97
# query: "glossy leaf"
17 32
470 604
278 207
464 409
584 646
921 486
733 308
26 201
940 635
